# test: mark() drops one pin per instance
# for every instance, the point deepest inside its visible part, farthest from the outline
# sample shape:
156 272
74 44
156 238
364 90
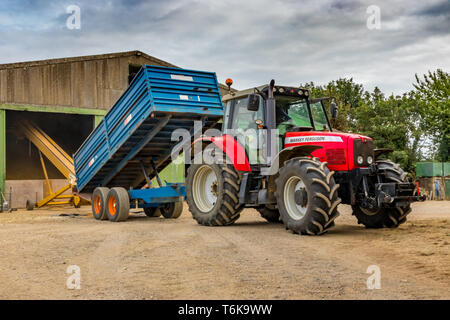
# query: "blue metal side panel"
195 91
173 95
159 195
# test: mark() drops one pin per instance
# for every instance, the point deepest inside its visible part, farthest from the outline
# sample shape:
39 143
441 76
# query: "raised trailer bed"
133 142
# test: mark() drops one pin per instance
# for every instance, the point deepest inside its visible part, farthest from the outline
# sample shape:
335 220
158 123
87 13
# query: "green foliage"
348 95
432 96
415 125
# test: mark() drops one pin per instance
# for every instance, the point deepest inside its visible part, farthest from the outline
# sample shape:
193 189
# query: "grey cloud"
250 41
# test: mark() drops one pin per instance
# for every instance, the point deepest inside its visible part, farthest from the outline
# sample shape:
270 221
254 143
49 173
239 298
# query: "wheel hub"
205 188
295 197
301 197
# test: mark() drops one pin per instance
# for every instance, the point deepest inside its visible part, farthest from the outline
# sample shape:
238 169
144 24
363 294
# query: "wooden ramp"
60 159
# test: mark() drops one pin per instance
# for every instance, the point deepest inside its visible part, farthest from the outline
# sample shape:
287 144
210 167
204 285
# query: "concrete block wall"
22 190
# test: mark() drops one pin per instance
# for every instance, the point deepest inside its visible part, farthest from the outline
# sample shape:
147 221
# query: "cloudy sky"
292 41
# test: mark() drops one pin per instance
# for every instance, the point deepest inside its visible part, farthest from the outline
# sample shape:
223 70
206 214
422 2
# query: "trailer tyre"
270 213
385 217
118 204
99 203
172 210
212 194
307 196
152 212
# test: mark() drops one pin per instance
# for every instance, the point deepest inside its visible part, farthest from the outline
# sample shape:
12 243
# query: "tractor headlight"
281 90
369 159
360 160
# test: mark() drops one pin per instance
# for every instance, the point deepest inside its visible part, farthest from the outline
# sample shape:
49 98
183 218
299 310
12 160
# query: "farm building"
66 98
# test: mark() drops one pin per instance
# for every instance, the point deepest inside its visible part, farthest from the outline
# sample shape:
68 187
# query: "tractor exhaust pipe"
272 134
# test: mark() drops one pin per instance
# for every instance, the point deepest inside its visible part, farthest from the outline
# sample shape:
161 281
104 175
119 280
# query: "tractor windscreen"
293 112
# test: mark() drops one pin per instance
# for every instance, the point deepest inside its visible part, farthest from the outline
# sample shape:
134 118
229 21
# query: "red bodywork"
337 147
234 151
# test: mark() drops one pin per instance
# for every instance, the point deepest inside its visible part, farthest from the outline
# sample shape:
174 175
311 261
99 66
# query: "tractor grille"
364 149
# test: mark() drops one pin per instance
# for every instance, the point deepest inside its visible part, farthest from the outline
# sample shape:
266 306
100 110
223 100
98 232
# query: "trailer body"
134 140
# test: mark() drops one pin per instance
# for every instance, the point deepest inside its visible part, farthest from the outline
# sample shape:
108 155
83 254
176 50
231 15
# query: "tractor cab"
288 110
294 111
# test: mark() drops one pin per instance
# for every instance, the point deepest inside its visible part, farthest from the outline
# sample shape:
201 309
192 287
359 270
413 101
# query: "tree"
403 123
348 95
390 123
433 103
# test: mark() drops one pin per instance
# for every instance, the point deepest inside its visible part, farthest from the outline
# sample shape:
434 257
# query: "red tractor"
300 172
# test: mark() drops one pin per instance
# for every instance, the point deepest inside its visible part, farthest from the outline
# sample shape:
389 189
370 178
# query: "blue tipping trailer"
133 142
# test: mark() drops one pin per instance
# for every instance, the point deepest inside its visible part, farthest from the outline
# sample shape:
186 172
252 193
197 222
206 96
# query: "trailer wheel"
152 212
307 196
270 213
118 204
212 194
385 217
171 210
99 203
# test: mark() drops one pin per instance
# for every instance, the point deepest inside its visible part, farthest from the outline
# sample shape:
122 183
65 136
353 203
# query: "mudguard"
289 153
234 151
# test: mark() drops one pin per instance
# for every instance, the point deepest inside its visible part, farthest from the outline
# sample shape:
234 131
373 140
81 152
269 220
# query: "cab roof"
246 92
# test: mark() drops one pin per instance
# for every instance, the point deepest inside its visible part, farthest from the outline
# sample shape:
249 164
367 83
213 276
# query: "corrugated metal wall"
94 83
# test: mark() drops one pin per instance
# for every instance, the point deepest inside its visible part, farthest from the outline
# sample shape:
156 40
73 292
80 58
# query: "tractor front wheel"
212 194
307 196
385 217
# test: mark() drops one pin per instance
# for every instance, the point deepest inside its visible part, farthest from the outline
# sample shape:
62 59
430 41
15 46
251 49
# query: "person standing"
437 189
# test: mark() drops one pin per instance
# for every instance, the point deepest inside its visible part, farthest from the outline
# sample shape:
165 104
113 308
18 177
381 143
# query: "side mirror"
253 102
333 110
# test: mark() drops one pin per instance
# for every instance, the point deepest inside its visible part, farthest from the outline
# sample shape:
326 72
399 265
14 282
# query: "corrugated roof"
25 64
84 58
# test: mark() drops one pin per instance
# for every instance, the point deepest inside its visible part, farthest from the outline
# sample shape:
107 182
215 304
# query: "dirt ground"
154 258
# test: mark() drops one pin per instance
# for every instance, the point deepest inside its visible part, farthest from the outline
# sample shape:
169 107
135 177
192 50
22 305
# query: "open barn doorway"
24 172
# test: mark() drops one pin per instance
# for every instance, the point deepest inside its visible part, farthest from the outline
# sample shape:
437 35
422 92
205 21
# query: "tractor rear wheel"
118 204
212 194
99 203
152 212
385 217
270 213
307 196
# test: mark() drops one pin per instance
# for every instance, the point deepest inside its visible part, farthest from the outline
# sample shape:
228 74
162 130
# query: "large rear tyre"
152 212
118 204
307 196
99 198
172 210
385 217
212 194
270 213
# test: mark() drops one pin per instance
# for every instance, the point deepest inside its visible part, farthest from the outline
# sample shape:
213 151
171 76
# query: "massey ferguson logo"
305 139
